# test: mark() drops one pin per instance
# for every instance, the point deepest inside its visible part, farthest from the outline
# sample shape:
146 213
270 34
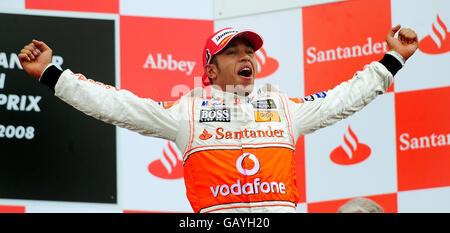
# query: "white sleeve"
326 108
119 107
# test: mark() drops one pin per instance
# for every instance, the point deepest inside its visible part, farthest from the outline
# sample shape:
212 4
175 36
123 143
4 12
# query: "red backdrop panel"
341 38
423 138
12 209
158 54
99 6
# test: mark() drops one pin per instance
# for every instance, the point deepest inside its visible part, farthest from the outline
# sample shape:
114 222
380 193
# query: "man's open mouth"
246 71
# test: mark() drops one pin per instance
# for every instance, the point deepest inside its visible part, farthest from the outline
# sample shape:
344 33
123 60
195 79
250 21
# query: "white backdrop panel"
424 70
374 126
138 189
192 9
424 201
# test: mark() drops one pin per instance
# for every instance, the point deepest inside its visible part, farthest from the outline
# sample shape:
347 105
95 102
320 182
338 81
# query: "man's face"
237 67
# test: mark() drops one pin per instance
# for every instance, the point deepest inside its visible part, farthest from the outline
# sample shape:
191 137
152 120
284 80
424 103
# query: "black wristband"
50 77
391 63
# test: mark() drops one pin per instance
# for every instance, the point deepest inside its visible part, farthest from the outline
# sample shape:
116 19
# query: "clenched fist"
406 43
35 57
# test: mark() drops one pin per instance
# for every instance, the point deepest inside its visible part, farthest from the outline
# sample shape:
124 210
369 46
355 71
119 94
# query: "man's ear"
211 71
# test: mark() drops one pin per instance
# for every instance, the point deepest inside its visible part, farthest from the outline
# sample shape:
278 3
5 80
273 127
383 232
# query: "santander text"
248 133
408 142
340 53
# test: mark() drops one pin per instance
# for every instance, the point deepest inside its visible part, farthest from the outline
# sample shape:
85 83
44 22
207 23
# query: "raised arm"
326 108
406 44
104 102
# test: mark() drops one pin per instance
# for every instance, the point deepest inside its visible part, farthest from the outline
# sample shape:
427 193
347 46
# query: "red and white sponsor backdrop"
396 151
378 152
157 54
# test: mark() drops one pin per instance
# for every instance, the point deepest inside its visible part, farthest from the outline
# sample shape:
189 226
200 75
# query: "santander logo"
170 166
266 65
439 41
205 135
352 152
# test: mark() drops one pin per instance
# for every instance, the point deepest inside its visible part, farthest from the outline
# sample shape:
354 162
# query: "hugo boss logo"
215 115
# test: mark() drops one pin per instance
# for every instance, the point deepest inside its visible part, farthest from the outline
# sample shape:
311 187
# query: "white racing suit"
238 151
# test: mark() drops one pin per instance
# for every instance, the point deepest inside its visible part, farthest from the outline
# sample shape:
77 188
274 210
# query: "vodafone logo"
247 164
168 62
170 166
439 41
266 65
240 164
352 152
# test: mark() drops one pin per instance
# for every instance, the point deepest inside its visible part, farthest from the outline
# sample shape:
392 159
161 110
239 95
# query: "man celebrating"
237 143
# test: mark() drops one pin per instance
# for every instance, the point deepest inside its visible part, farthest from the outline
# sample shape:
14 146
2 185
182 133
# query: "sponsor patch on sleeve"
319 95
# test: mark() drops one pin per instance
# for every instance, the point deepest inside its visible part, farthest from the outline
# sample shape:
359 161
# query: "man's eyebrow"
233 44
